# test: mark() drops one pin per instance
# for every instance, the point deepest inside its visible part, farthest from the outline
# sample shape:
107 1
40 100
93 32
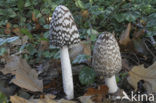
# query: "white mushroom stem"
67 73
111 83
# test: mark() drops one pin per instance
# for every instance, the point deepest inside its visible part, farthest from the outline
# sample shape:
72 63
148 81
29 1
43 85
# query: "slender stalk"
111 83
67 73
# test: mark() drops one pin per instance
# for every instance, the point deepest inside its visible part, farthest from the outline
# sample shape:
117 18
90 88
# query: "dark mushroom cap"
63 30
106 55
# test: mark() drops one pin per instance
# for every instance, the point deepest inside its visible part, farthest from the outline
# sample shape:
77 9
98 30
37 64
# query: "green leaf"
93 37
48 54
57 55
46 26
93 34
92 31
87 76
3 22
129 17
37 13
45 11
80 4
117 79
91 1
20 4
27 3
32 50
11 13
26 32
80 59
151 20
119 18
42 21
3 98
150 33
2 51
46 35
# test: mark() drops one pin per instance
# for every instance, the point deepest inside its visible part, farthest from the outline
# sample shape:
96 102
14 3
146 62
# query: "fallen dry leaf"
65 101
85 99
125 64
139 46
37 26
34 18
44 45
25 76
52 84
47 99
103 89
16 31
124 38
85 13
141 73
138 34
8 25
98 94
7 29
17 99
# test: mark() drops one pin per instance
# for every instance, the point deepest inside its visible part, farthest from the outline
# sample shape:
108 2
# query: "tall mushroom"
107 59
64 33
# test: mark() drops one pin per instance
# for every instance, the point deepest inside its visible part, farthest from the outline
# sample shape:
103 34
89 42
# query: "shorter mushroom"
107 59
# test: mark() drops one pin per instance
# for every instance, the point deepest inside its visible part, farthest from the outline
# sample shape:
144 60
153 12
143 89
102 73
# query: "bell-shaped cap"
63 30
106 55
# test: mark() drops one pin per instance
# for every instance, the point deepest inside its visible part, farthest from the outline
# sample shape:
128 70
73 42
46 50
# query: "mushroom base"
111 83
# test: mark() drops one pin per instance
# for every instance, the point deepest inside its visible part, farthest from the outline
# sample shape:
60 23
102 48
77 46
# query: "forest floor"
22 82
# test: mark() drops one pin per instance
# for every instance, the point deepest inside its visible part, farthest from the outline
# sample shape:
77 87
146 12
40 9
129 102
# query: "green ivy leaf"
87 76
46 26
80 59
3 22
26 32
117 79
32 50
3 98
119 18
11 13
2 51
57 55
80 4
46 35
37 13
92 31
48 54
42 21
93 34
27 3
129 17
93 37
20 4
45 11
